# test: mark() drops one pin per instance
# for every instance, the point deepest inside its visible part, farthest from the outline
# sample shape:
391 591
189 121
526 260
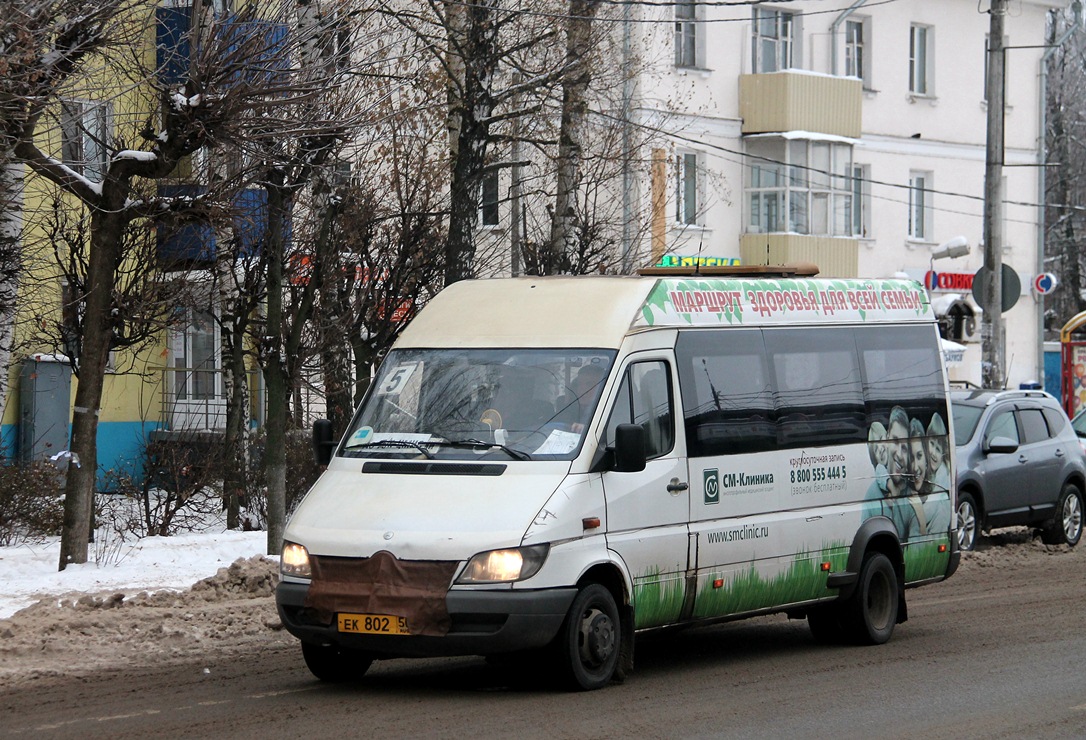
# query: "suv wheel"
1066 525
967 522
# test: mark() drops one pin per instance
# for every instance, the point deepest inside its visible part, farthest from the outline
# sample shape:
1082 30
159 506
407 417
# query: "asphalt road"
997 651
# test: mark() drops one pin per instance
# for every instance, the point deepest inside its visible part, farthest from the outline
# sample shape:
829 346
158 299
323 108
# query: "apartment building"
850 136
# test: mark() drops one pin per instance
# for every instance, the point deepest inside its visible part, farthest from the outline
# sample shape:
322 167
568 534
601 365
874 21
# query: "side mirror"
1002 445
323 444
629 448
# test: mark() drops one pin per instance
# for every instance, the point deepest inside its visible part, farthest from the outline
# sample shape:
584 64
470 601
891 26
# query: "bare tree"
42 42
1066 147
227 81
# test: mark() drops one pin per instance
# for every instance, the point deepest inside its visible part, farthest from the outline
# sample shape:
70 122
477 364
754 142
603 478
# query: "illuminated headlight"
504 566
295 561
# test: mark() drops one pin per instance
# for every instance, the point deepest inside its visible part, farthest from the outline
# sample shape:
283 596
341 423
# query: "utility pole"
991 322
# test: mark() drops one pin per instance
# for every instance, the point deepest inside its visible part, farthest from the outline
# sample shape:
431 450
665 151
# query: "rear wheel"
1066 525
967 522
588 645
335 664
869 616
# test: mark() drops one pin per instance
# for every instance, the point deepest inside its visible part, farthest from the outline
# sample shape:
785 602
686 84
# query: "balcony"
835 256
194 244
800 101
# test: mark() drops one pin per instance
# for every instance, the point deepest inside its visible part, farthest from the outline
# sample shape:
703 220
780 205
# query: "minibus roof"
600 310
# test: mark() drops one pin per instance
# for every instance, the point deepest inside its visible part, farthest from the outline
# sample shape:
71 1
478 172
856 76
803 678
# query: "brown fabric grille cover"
413 589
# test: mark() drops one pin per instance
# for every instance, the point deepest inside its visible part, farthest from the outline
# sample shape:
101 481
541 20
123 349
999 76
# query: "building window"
686 34
920 211
772 45
861 200
488 199
920 59
196 357
857 56
800 186
686 188
84 135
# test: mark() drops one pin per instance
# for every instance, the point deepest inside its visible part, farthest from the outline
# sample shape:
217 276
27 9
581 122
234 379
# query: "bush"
31 502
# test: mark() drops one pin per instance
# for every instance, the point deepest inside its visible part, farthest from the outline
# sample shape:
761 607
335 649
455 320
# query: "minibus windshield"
467 404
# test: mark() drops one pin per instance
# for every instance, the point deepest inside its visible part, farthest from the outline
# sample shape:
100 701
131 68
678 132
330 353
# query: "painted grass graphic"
657 603
923 559
748 590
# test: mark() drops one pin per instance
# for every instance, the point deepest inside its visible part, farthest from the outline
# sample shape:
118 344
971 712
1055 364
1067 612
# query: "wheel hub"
598 637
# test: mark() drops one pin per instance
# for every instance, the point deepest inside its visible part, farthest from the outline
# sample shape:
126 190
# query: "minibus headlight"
504 566
295 561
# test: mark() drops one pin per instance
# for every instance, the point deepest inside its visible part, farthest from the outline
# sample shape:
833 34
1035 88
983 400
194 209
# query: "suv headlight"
295 561
504 566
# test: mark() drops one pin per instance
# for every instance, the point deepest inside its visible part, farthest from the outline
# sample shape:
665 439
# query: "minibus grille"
413 468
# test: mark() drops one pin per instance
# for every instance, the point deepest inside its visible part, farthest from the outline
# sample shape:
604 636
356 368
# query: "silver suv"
1019 463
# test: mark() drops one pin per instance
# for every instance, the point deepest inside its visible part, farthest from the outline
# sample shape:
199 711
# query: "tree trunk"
575 83
275 372
107 227
331 315
11 222
479 59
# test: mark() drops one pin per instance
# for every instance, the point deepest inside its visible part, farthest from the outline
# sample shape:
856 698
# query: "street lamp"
956 247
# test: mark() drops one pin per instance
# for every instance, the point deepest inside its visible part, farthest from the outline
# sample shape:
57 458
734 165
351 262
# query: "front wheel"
967 522
588 645
870 613
1066 525
335 664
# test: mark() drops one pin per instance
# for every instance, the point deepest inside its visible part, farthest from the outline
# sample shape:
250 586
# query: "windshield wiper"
394 443
477 443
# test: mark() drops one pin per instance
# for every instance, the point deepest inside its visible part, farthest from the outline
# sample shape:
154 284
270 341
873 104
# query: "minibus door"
647 511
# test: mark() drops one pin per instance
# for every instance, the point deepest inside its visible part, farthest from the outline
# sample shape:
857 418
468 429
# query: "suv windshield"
466 404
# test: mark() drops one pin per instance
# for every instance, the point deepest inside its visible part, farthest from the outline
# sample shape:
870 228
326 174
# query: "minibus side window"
819 392
644 398
726 391
901 368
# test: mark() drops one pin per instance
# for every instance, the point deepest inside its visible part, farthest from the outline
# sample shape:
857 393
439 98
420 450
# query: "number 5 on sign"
396 380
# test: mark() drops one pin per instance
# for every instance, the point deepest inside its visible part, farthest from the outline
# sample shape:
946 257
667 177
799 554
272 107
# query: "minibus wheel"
588 645
871 612
335 664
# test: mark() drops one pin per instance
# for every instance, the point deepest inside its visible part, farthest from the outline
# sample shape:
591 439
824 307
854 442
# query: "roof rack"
798 269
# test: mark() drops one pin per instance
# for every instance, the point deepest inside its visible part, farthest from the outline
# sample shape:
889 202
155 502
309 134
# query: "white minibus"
548 466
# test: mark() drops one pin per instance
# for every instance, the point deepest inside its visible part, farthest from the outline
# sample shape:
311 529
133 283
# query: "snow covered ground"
28 573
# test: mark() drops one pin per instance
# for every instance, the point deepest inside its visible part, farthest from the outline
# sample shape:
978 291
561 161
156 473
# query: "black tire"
1066 525
869 615
335 664
968 522
587 647
825 624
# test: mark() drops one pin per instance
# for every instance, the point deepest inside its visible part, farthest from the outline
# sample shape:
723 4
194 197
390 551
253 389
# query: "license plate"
372 624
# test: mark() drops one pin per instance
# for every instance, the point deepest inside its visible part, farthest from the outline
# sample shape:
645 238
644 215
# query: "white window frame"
858 56
861 200
85 130
688 41
688 165
774 38
922 60
799 185
920 215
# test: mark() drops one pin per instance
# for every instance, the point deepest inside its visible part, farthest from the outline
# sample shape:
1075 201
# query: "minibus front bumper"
482 623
